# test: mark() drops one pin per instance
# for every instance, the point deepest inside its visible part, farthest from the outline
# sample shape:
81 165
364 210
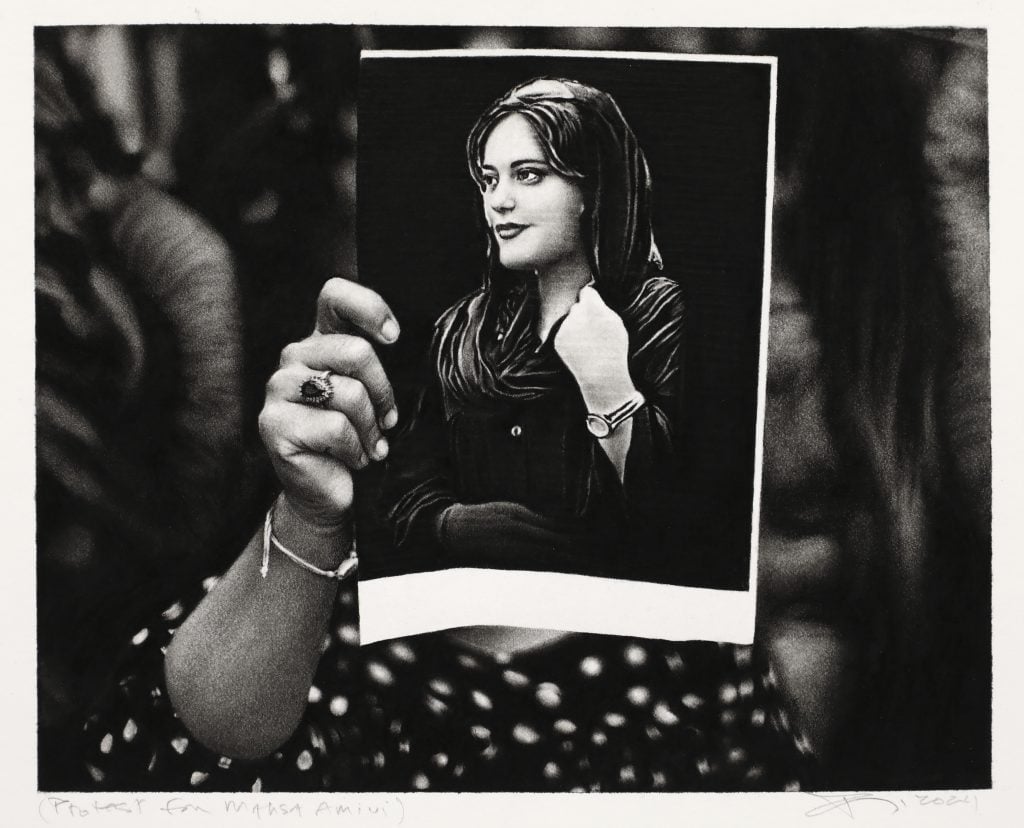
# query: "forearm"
417 483
240 667
651 487
601 398
616 447
506 535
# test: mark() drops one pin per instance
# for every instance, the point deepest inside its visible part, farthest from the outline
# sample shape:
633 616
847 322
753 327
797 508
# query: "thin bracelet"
345 568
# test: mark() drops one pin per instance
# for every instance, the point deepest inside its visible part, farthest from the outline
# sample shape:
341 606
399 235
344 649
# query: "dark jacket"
533 448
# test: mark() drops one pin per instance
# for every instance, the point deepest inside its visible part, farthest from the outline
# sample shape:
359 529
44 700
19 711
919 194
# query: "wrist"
441 520
325 545
602 398
438 524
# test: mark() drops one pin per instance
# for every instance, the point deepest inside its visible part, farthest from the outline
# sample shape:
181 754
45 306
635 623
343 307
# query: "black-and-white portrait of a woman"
549 423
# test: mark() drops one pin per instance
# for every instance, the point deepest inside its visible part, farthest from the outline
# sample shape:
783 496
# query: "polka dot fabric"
588 713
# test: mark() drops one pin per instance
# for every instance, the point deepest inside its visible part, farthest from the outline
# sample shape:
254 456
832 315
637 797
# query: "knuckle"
383 397
354 397
345 393
346 434
290 353
275 386
337 424
268 422
360 351
361 397
332 289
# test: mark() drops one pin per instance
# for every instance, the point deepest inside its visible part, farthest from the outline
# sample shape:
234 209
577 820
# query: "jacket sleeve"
655 323
651 489
418 478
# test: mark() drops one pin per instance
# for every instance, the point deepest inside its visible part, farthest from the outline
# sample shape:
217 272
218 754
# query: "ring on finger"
317 389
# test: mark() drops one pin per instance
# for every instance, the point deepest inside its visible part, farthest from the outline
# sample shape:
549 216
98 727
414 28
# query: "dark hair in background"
860 239
138 384
586 138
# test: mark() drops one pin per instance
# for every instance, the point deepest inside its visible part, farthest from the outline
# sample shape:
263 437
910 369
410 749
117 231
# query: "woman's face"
532 211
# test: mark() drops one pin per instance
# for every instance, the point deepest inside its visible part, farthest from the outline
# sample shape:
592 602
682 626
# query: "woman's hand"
314 450
503 532
261 621
273 621
594 345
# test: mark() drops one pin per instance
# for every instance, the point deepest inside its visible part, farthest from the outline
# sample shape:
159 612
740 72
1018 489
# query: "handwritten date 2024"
851 805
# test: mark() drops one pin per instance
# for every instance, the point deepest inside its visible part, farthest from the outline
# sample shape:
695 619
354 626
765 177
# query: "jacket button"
516 430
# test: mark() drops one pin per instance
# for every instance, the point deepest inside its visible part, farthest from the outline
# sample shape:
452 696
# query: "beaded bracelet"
345 568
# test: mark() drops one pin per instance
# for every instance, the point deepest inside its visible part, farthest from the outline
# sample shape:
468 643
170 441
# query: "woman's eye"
488 183
528 176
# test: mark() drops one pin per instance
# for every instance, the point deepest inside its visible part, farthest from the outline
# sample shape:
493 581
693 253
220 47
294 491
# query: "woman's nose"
501 198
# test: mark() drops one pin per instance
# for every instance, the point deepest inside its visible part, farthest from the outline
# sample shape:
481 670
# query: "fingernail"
390 419
380 451
389 330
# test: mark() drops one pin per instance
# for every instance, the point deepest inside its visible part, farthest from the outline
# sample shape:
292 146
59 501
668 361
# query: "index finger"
350 356
343 305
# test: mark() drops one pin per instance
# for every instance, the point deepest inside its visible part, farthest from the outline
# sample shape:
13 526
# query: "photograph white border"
401 605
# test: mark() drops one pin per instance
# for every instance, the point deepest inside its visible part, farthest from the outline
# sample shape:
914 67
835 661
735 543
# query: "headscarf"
485 346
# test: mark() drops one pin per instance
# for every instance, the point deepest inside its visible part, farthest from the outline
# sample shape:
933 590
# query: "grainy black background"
704 129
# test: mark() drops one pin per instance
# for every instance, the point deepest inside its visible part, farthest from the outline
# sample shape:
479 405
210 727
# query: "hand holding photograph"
537 400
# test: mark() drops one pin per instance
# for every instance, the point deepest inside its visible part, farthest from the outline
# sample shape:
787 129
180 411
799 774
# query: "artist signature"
852 804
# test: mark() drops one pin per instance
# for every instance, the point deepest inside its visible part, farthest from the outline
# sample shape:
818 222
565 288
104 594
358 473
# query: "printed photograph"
574 249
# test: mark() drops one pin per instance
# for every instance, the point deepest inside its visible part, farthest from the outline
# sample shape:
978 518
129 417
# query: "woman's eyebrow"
519 163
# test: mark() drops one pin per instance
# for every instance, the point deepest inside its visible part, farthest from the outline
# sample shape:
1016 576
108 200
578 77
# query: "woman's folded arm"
239 668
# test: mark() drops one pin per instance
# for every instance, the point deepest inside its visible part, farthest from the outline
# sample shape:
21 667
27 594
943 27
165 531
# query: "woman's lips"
508 231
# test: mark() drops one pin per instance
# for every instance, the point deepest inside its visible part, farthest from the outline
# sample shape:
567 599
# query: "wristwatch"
602 425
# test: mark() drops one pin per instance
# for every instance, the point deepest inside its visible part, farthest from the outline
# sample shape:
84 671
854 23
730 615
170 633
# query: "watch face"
598 426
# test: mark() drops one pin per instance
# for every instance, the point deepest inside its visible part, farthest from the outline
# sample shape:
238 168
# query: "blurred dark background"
195 186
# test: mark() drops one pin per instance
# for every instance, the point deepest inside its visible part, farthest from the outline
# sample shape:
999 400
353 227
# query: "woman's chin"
516 263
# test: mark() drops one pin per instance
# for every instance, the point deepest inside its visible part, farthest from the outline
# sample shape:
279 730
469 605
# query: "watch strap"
617 415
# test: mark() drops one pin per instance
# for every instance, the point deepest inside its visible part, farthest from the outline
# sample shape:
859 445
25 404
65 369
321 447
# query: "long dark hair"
864 247
585 138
